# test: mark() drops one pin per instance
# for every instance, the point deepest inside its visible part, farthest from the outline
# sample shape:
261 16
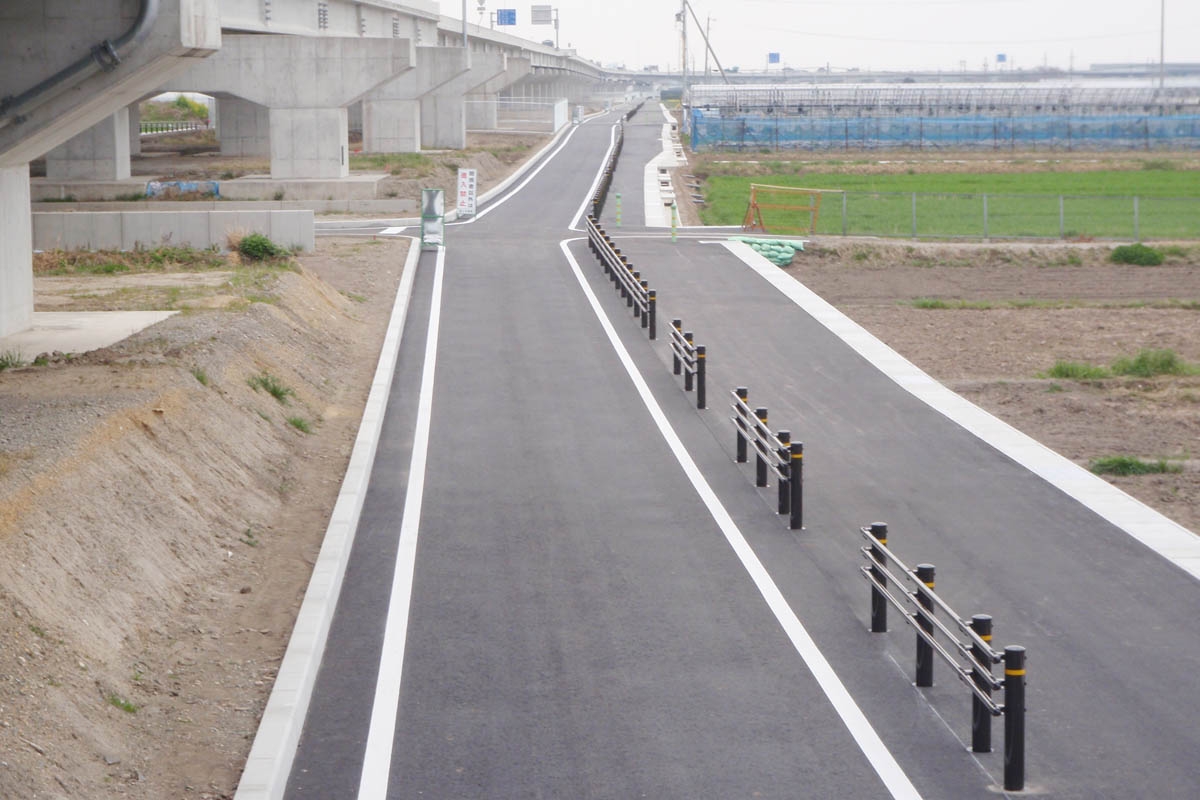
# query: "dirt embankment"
159 517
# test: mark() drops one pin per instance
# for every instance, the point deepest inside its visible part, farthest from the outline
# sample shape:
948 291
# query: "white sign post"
466 192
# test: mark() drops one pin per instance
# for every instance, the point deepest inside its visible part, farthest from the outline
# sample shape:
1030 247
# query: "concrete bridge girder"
482 101
305 85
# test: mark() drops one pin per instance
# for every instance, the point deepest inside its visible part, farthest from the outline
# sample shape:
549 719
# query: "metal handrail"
690 359
774 452
635 291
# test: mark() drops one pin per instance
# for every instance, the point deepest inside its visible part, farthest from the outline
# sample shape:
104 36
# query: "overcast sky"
869 34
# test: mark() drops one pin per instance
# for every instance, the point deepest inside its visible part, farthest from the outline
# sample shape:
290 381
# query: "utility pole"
683 61
464 24
707 32
1162 39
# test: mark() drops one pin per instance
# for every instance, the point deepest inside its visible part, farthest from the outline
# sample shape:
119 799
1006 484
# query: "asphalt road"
587 618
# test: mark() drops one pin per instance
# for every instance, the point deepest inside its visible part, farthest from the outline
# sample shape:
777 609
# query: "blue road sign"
506 16
772 58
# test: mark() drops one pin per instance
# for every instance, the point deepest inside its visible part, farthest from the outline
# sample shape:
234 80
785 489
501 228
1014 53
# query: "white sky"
869 34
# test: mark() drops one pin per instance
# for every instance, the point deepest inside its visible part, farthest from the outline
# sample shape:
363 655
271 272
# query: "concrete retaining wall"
128 230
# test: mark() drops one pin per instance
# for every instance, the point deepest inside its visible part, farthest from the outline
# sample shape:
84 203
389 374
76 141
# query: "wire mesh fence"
993 216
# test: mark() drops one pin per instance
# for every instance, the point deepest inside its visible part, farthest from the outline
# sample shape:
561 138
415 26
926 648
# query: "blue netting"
1038 132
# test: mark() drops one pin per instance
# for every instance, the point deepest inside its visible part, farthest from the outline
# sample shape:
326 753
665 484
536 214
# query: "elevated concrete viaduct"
64 67
71 95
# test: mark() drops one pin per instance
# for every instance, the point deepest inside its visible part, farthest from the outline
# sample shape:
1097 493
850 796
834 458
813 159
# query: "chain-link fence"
994 216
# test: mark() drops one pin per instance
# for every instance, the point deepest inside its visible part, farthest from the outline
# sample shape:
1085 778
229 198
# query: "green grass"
272 386
117 702
937 304
1149 363
1076 371
395 163
1095 204
300 424
10 359
200 375
1137 254
1128 465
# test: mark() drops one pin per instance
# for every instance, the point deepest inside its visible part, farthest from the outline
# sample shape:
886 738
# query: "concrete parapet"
129 230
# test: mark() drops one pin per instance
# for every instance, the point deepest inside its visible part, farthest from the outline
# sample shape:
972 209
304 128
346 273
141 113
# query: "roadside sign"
466 192
433 222
541 15
506 16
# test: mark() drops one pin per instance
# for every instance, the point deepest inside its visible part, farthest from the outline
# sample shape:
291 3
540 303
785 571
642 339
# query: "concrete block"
293 229
90 231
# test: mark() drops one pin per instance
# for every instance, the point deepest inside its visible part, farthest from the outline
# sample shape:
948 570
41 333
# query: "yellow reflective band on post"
700 355
797 456
930 584
987 637
882 541
1014 672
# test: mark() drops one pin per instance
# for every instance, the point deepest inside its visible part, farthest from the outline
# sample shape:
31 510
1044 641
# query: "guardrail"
690 359
636 292
629 114
171 126
775 452
606 176
971 659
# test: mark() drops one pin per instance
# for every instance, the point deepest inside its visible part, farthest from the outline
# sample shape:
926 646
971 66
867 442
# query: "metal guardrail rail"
967 651
147 127
606 177
689 358
636 292
774 452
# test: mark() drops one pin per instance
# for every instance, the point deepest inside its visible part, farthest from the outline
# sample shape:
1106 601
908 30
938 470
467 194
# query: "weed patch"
1076 371
1129 465
1149 363
1137 254
272 386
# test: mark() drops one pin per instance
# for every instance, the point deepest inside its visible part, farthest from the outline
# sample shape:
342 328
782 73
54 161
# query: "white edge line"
270 761
533 174
868 740
1161 534
612 142
377 758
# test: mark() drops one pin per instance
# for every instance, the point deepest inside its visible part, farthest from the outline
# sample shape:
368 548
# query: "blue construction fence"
710 130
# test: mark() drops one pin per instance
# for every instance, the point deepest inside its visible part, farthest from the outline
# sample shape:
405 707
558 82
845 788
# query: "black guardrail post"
879 606
644 311
925 574
701 360
1014 718
689 372
652 302
785 463
744 395
760 464
637 281
677 324
981 715
796 483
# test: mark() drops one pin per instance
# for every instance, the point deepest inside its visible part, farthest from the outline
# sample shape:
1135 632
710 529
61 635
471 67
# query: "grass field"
1020 204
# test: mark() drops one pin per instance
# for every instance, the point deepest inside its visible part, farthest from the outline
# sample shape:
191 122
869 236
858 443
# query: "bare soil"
159 517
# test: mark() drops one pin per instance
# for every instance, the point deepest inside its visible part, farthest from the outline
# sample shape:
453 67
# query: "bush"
1128 465
257 247
1137 254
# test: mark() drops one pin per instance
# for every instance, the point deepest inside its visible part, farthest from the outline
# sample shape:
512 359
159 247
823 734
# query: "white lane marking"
868 740
391 231
274 749
1164 536
520 185
377 761
612 142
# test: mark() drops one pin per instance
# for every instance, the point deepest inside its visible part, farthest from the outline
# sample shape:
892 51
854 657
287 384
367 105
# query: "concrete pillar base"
243 128
309 143
135 129
101 153
16 251
444 121
391 126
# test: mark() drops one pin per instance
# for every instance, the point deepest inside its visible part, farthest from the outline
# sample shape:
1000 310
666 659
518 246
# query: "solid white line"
378 758
1163 535
587 199
270 760
868 740
520 185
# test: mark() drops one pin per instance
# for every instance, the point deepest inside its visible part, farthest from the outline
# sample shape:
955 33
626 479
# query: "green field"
1093 205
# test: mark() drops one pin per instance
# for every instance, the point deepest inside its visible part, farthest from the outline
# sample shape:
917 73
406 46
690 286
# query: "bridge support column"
482 111
16 251
243 128
309 143
135 129
100 153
